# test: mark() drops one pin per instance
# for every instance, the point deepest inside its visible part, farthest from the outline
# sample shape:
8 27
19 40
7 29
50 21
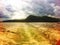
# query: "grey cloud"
43 8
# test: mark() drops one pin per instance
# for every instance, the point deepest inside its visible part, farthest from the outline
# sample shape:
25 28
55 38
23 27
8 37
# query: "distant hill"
32 18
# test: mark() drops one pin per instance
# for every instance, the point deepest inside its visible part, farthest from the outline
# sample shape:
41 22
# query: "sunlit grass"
29 34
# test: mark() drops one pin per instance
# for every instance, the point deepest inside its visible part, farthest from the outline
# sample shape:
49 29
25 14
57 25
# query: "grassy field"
29 33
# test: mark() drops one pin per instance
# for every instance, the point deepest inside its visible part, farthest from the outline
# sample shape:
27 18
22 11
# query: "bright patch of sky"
15 9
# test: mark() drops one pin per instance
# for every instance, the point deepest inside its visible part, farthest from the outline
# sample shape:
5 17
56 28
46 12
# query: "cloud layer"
20 9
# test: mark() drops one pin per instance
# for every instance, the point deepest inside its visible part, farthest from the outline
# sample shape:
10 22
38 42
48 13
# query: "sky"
21 9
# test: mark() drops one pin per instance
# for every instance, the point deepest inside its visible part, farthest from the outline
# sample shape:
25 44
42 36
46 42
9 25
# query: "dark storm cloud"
2 15
51 1
43 8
